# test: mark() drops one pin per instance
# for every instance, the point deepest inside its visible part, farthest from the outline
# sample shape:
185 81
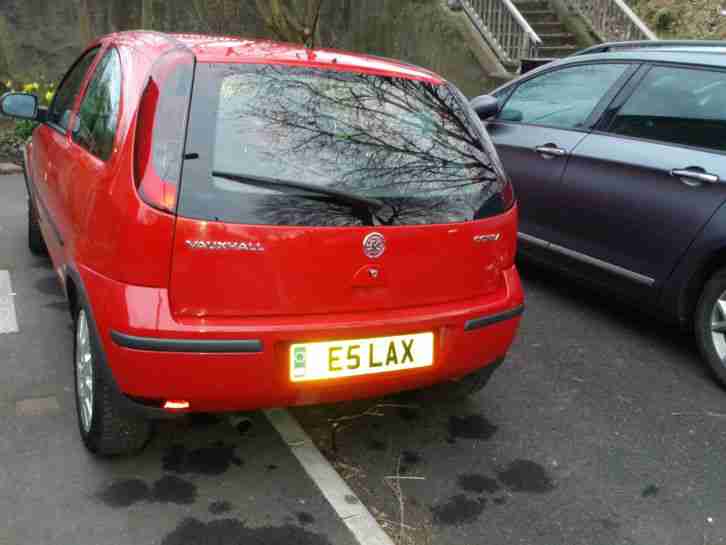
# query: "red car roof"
232 49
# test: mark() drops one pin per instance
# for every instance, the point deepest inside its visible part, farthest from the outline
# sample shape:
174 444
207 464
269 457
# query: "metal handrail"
612 20
501 24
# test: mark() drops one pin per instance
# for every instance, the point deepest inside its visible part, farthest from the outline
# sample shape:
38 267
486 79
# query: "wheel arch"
692 290
71 295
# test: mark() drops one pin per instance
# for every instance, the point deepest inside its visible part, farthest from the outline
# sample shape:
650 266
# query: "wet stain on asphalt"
500 501
203 420
478 484
220 507
172 489
213 460
125 493
305 518
526 476
409 414
650 491
473 426
409 458
168 489
458 510
232 532
271 467
377 445
244 426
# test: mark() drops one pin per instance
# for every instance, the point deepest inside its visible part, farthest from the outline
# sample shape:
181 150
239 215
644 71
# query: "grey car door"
539 125
646 181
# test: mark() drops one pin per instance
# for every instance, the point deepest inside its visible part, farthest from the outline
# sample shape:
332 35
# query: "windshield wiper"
335 195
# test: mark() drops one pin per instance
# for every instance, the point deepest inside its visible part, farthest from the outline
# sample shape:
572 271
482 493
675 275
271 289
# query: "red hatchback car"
243 224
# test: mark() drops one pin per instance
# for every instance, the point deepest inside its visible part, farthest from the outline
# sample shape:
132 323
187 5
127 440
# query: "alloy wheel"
84 372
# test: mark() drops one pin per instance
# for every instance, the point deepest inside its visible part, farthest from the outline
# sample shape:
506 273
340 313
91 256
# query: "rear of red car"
340 231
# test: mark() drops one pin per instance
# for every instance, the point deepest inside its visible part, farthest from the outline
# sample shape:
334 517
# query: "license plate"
337 359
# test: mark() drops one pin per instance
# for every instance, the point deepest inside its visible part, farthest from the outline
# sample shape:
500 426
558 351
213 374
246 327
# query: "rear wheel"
710 324
104 429
36 244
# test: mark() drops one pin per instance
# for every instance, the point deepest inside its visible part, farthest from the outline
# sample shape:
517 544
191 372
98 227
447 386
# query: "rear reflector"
176 405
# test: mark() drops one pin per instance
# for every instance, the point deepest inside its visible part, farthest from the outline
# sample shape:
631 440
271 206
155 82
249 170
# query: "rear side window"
62 105
95 129
563 98
279 145
678 106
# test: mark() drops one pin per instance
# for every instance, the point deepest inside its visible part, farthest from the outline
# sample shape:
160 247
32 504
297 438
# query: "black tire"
466 386
713 289
111 431
36 244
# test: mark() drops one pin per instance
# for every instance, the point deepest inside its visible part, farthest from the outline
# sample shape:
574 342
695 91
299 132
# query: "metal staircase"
523 29
557 41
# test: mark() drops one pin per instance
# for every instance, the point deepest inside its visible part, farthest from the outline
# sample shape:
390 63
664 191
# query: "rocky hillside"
686 19
38 39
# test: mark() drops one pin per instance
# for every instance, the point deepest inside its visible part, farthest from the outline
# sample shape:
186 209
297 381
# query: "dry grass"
691 19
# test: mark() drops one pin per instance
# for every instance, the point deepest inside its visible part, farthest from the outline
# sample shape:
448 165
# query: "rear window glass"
276 145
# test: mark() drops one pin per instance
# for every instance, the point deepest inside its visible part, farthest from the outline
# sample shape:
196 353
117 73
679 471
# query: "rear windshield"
280 145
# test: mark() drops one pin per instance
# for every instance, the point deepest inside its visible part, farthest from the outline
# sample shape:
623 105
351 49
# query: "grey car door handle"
694 177
550 151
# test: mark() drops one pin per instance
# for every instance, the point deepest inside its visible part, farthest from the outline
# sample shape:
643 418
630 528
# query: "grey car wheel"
84 372
106 428
710 324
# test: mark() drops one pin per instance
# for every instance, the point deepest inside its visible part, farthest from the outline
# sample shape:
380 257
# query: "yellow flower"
9 84
49 96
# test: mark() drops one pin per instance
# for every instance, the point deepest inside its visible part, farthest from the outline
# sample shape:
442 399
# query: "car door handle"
692 177
550 151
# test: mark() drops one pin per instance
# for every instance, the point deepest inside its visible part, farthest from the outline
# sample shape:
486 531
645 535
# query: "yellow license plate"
337 359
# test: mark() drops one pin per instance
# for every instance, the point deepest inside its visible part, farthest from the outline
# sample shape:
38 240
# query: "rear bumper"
234 365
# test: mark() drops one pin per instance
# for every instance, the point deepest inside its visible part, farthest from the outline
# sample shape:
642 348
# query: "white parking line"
342 499
8 319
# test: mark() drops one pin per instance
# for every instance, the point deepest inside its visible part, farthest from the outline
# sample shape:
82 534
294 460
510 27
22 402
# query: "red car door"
50 158
91 160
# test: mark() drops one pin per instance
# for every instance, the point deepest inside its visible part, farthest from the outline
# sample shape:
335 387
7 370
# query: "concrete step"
540 16
532 5
557 51
548 27
559 38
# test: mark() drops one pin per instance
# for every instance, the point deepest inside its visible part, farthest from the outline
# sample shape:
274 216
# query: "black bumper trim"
484 321
247 346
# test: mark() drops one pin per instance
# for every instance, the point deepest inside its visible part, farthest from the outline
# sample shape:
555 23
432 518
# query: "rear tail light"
161 126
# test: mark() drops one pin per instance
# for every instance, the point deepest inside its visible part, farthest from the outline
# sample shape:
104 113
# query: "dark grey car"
619 163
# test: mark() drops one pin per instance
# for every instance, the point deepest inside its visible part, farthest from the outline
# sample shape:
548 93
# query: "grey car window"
679 106
563 98
60 110
98 114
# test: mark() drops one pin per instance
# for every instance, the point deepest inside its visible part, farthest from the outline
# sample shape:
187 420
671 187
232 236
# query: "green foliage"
24 128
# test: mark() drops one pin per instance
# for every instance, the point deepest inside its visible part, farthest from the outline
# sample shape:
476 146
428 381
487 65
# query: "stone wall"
39 38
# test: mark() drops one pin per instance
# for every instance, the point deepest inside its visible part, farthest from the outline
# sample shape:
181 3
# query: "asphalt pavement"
602 428
200 481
